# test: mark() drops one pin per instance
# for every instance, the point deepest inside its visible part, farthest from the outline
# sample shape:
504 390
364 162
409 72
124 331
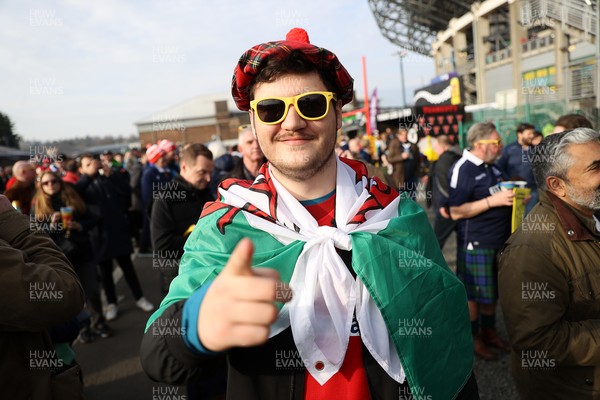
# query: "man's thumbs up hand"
239 307
240 261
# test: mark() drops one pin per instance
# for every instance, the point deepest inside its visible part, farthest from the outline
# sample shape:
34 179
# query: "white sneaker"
111 312
144 304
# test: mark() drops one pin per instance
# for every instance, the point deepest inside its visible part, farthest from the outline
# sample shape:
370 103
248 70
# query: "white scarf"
325 295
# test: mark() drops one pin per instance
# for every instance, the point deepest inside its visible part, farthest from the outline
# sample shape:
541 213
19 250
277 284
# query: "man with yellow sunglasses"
483 212
323 301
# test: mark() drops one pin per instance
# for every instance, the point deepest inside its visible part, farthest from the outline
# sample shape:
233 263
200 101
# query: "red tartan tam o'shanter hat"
254 60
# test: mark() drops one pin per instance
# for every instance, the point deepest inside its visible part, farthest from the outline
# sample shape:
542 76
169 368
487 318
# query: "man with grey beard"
549 276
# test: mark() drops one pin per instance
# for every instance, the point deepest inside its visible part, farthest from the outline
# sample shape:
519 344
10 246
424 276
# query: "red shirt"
350 382
11 182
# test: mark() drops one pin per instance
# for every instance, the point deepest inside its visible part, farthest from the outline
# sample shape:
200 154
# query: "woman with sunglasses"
72 237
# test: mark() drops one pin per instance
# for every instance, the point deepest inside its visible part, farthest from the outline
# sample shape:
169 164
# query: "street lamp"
597 63
402 54
595 11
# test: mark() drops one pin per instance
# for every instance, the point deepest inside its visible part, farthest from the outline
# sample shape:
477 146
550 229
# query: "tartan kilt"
478 271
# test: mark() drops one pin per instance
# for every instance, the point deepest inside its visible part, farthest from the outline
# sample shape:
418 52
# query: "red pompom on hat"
154 153
297 35
255 59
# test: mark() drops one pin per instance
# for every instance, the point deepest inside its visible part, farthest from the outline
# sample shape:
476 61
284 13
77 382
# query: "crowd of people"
297 245
103 210
84 204
122 204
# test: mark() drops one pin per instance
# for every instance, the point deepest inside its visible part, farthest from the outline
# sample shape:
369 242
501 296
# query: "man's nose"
293 121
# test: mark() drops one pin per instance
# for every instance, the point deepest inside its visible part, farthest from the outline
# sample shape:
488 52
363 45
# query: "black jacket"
108 199
439 177
253 371
173 212
239 171
38 290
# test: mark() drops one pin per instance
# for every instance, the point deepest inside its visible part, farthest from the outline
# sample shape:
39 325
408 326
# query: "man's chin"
301 169
297 172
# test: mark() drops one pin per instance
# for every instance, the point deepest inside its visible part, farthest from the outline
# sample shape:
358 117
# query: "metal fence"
541 115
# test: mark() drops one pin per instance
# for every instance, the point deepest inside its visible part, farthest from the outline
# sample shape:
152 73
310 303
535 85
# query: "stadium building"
512 60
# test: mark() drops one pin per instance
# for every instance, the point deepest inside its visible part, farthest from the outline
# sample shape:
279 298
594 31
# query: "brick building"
197 120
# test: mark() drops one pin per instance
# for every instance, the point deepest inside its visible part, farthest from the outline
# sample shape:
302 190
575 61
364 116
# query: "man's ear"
338 115
251 114
556 186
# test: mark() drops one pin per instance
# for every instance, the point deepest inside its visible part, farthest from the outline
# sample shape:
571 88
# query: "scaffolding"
413 24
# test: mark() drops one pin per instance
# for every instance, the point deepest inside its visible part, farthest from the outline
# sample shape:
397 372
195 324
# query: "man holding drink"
484 213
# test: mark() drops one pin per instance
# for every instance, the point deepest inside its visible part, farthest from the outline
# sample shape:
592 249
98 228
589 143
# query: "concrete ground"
493 377
111 367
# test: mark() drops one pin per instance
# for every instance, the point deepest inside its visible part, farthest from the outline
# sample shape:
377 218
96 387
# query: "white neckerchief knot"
341 239
326 295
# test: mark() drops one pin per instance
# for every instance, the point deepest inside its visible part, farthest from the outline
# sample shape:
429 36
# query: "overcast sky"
71 68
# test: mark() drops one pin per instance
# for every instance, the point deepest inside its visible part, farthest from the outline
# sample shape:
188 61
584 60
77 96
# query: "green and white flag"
411 309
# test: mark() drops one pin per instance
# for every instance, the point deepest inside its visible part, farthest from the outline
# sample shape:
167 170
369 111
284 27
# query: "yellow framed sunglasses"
311 106
490 141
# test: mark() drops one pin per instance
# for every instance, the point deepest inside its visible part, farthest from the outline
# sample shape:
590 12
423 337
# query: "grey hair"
242 132
551 158
479 131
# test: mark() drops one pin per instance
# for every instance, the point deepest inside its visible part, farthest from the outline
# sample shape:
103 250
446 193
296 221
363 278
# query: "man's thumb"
240 261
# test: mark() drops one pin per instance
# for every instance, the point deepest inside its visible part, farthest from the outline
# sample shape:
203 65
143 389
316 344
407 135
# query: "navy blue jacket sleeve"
147 179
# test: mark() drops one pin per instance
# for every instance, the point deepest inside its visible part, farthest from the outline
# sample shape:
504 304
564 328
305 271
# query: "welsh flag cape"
410 307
